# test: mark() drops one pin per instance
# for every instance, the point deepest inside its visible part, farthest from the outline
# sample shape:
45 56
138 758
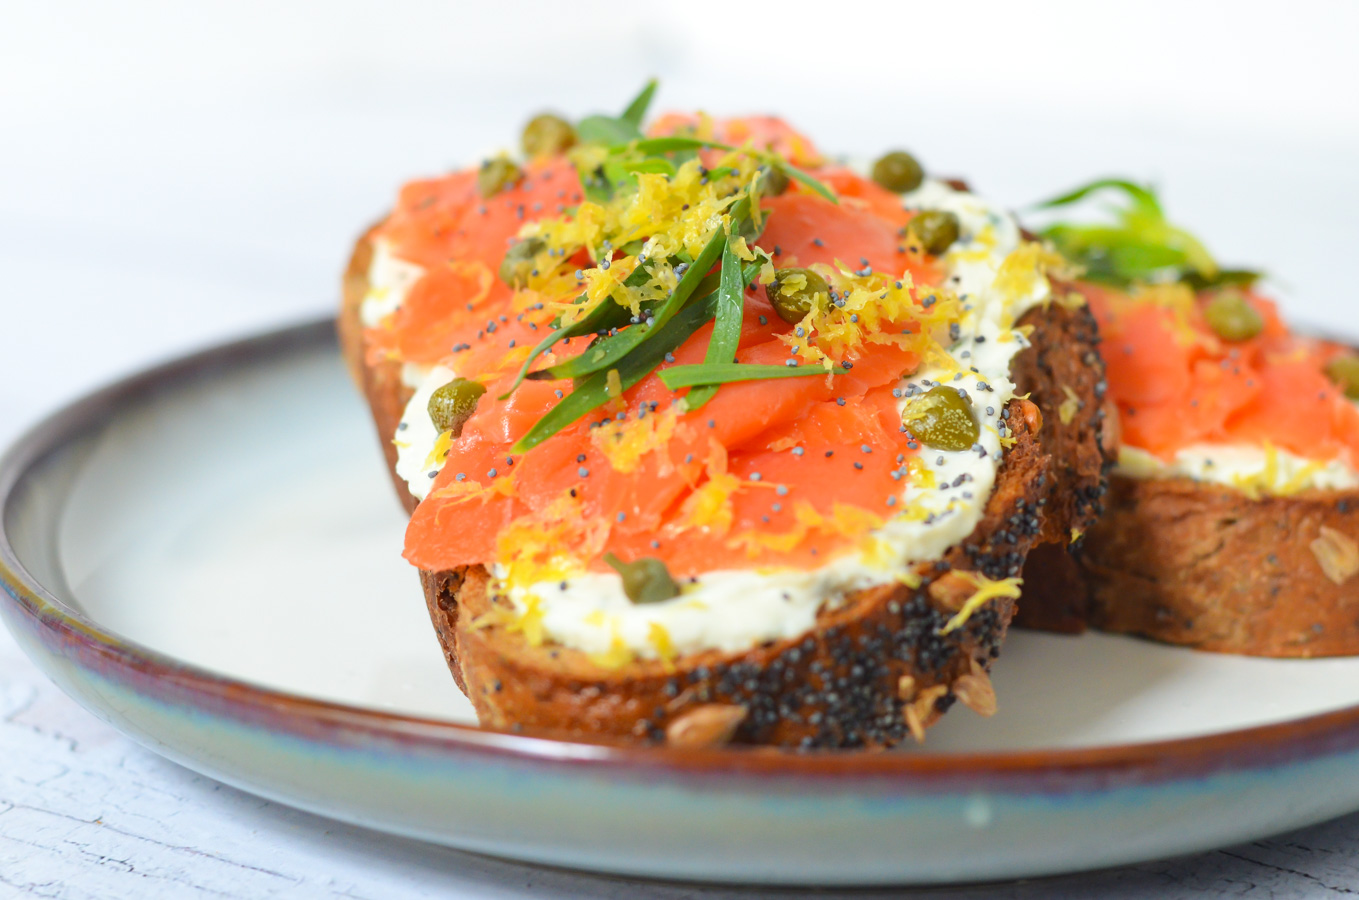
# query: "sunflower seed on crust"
906 688
1337 554
710 725
975 691
951 590
921 713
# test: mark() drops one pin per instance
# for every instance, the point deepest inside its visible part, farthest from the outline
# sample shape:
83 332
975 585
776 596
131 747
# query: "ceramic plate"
207 556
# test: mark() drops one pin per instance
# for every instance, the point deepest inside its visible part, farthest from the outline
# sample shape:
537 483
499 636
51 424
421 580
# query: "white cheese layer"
416 435
1270 471
389 280
733 610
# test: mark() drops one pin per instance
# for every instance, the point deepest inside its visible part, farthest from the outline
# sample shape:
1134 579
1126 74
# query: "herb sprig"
606 352
633 345
726 336
593 392
708 374
1141 245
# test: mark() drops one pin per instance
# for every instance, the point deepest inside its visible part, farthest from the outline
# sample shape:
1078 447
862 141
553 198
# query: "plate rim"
166 677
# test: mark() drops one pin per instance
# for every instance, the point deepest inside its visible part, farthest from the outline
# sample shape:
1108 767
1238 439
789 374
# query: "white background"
172 173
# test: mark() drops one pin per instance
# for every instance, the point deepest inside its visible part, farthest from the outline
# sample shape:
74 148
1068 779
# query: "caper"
497 174
773 181
1232 318
645 580
453 404
943 419
546 135
935 229
1344 371
518 263
898 171
795 292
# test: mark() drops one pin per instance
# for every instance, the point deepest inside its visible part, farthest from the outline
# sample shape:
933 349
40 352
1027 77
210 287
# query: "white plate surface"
246 525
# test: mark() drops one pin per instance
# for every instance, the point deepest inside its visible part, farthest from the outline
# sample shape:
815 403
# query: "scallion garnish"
606 314
676 377
726 336
1140 246
649 146
606 353
593 391
611 130
635 348
636 110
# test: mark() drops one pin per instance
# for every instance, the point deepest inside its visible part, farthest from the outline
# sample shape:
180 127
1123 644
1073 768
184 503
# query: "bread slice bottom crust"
1208 567
846 683
876 668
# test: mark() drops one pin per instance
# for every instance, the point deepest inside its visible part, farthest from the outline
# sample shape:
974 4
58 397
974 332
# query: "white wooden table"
173 174
86 813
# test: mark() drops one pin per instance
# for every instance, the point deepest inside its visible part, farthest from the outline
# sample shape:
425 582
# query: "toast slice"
826 561
1240 533
879 667
1207 566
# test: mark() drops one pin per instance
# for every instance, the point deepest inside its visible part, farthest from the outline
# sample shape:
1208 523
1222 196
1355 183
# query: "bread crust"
1206 566
874 670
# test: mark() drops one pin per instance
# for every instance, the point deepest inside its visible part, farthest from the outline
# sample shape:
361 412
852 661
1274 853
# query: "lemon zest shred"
1070 406
1260 483
987 590
439 452
1024 271
496 615
910 578
708 507
1266 482
530 619
1301 479
743 252
548 545
659 637
921 474
1072 300
879 553
617 656
625 442
872 308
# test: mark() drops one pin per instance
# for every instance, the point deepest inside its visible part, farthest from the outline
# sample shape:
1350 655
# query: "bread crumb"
1337 554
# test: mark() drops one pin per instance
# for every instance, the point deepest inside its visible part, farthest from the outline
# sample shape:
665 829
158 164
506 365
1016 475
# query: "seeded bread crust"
1206 566
876 668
